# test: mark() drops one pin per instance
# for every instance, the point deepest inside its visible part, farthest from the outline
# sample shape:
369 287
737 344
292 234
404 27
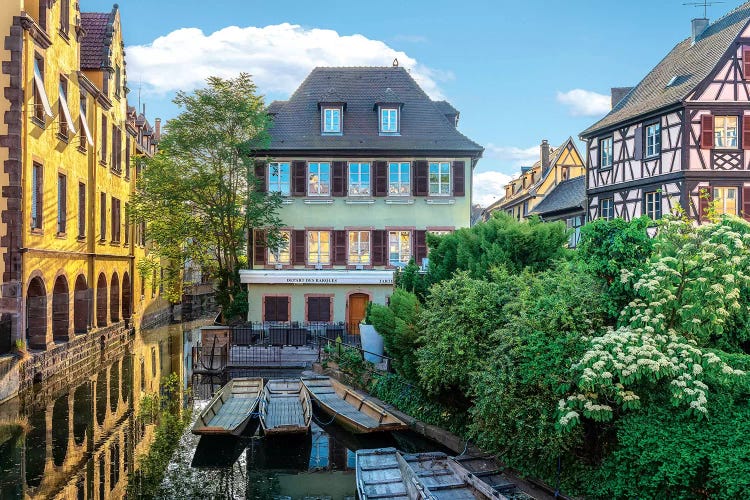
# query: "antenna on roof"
705 4
395 63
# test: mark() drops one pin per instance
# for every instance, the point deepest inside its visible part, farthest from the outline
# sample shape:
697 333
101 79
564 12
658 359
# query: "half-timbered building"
679 137
366 164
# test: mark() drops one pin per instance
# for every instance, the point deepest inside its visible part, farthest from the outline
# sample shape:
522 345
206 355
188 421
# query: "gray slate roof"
94 48
689 63
424 126
568 195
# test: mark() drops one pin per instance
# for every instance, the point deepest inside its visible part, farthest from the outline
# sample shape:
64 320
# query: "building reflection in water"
78 434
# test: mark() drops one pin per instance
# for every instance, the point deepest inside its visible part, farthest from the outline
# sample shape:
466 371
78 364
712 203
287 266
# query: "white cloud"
489 187
512 155
585 102
278 56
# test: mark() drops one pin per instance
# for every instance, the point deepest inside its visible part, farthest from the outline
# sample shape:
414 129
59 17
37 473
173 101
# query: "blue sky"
508 66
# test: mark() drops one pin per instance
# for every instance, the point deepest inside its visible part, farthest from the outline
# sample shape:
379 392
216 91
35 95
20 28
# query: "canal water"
85 436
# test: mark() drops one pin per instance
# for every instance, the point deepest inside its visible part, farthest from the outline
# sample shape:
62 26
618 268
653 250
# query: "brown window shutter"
269 309
298 247
703 202
338 178
379 247
299 175
380 176
746 63
746 203
282 308
707 131
746 132
339 248
420 246
260 174
459 178
421 178
638 143
259 248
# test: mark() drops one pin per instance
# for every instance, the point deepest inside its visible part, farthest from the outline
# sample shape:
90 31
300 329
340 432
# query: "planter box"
278 335
372 343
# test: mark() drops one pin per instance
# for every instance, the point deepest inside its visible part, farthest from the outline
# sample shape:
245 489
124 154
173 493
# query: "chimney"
618 93
157 129
544 147
699 26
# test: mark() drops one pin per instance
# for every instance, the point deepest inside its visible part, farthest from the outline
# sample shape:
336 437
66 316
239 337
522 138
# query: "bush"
397 323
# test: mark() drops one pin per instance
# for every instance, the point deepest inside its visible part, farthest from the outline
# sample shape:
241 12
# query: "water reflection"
80 440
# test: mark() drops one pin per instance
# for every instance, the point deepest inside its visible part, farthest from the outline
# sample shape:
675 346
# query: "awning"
85 125
66 110
40 88
316 277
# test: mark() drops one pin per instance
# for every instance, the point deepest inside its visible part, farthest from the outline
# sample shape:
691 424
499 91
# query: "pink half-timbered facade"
682 135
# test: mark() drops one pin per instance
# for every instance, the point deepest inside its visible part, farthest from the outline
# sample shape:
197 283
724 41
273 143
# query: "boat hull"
231 409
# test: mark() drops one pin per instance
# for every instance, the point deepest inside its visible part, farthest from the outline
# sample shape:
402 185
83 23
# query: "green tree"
198 194
397 323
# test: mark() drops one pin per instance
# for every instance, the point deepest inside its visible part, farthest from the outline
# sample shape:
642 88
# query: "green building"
367 164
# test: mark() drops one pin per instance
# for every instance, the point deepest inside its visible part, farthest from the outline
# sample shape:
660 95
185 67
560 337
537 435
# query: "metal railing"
295 334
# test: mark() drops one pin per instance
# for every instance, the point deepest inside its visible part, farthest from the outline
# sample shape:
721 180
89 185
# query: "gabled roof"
567 195
424 127
95 45
679 73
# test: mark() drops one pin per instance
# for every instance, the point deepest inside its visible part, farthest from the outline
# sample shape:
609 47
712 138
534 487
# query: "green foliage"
412 280
608 247
198 195
397 323
502 241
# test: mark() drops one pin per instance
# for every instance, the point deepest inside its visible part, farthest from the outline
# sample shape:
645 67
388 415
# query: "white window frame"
606 145
403 253
336 123
721 207
609 214
653 204
317 166
360 187
319 256
283 254
575 223
653 139
402 188
389 122
442 188
359 252
277 185
722 135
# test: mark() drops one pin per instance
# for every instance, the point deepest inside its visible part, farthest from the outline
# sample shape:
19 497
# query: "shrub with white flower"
684 298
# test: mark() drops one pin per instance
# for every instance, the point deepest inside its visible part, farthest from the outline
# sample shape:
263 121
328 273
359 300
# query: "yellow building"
527 190
66 141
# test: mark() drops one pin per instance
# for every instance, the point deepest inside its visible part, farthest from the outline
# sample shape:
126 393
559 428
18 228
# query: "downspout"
25 117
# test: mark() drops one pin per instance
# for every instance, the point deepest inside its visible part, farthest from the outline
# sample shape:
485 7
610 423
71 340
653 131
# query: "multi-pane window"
725 200
440 176
118 78
81 210
279 178
41 101
65 16
62 110
319 179
653 204
318 247
607 209
281 254
103 216
653 139
37 204
359 247
388 120
574 224
62 203
103 159
85 137
116 150
331 120
359 179
126 221
115 220
605 152
725 131
399 247
398 179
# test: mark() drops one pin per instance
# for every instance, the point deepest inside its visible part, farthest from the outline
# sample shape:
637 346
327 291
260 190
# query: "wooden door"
357 306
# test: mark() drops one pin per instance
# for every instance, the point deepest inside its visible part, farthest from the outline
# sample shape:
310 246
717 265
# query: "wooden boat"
349 408
231 408
435 476
379 475
285 408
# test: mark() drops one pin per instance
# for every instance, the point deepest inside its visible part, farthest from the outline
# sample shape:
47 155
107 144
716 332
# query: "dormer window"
389 120
331 120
